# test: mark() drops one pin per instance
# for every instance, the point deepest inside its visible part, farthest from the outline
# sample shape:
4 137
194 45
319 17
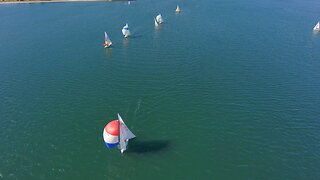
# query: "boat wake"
138 107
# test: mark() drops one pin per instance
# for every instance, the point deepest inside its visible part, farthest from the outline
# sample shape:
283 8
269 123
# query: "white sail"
155 22
159 19
317 27
107 41
178 9
125 30
125 135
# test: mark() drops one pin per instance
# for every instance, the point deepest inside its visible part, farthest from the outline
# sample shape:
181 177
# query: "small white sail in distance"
177 9
107 41
159 19
317 27
125 135
155 22
125 30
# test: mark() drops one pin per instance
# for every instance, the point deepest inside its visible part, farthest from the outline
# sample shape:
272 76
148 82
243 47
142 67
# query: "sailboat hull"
106 45
126 33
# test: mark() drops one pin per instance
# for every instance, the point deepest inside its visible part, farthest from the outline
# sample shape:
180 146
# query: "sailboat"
159 19
177 9
125 30
116 133
155 22
317 27
107 41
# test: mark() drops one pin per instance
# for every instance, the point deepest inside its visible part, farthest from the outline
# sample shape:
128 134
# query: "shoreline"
56 1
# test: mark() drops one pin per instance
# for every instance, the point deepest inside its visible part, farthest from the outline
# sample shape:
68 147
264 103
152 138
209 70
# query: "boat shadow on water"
152 146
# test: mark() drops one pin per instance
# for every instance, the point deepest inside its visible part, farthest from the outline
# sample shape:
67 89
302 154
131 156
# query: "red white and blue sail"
111 134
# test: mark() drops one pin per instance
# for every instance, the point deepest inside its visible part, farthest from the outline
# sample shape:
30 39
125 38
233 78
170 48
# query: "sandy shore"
55 1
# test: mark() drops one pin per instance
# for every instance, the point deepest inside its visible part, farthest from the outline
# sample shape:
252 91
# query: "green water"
226 89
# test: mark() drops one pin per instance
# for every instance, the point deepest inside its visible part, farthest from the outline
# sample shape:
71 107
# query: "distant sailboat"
107 41
317 27
117 133
155 22
177 9
125 30
159 19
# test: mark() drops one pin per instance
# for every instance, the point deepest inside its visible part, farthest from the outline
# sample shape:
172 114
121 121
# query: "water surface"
223 90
